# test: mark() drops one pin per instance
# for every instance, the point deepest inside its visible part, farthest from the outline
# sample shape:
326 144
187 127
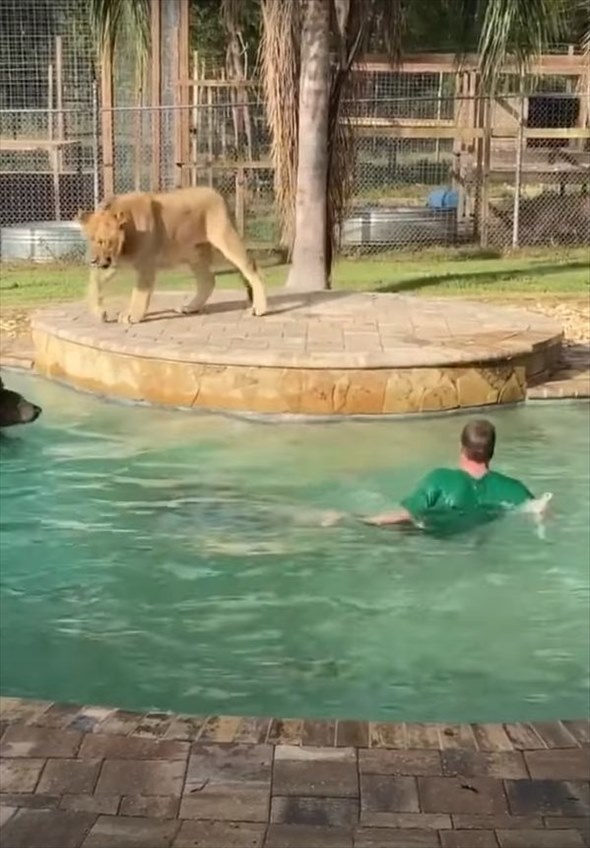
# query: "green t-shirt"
450 500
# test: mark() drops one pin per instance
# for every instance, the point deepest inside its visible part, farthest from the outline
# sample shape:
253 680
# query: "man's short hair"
478 440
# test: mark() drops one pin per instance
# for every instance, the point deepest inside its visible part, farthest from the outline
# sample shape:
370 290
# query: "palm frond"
519 29
583 14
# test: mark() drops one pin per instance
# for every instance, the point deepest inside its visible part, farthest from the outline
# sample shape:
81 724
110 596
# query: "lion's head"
105 231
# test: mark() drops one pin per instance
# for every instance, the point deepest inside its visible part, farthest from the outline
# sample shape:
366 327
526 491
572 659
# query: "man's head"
478 441
14 409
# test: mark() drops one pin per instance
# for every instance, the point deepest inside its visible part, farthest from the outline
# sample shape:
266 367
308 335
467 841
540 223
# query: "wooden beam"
364 121
218 83
205 164
560 132
579 176
567 65
465 133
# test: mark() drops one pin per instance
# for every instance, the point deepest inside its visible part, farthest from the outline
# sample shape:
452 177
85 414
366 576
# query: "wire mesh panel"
434 163
540 179
48 128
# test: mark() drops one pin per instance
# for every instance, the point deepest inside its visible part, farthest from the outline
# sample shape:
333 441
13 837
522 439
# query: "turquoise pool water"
153 559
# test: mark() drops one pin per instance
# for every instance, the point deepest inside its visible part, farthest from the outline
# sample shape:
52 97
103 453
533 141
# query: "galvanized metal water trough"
399 226
42 242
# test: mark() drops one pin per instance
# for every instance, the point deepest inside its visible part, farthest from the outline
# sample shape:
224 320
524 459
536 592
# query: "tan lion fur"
154 231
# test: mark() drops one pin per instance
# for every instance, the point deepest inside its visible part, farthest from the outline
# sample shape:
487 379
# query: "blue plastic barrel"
443 198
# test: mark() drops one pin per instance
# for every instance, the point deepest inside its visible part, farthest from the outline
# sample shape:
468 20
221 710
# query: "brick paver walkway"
98 778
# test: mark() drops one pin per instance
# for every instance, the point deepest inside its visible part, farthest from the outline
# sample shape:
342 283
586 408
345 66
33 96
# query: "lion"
153 231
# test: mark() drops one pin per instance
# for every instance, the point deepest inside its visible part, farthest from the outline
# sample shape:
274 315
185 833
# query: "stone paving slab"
120 781
570 380
330 329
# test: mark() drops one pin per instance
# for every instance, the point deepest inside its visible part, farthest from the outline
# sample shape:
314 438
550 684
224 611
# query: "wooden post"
56 156
210 132
240 201
50 102
59 90
583 92
155 93
106 102
518 172
221 116
439 112
233 93
196 120
183 100
138 130
469 158
485 175
460 113
176 120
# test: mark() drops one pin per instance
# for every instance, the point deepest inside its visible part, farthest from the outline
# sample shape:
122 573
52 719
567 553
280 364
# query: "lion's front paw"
258 311
100 314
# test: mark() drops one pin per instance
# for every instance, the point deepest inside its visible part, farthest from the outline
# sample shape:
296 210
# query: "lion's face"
106 235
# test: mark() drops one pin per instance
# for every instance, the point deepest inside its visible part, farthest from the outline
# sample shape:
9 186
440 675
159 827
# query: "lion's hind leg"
228 242
200 265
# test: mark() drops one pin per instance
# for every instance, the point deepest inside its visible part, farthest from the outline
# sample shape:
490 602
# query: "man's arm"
412 507
399 516
424 498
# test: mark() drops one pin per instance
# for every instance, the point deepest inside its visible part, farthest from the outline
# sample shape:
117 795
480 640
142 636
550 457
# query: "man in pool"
454 499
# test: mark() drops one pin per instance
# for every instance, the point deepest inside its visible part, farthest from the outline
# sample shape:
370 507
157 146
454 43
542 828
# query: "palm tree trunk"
308 269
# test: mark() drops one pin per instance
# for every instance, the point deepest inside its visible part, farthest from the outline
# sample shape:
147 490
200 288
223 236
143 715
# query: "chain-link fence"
434 163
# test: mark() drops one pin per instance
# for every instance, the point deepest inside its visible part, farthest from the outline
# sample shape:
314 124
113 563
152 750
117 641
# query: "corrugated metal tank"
42 242
399 226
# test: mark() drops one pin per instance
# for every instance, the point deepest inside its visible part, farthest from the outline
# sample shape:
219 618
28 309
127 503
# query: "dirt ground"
572 313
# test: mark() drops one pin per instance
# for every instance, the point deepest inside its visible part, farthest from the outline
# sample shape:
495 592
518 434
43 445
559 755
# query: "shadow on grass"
482 277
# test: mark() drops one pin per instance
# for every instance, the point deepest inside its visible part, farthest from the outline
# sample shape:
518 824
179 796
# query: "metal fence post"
518 171
95 144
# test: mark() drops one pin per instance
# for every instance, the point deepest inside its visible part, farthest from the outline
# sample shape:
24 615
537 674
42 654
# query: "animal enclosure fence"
436 162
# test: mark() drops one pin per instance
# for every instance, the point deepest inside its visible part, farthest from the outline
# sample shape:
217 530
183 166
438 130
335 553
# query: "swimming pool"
153 559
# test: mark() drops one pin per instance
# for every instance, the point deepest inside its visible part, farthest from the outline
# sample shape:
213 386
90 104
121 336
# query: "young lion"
153 231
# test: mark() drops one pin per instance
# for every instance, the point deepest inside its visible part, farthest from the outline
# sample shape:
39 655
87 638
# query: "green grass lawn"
468 272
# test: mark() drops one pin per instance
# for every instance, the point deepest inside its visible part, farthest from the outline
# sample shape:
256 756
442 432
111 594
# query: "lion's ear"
120 217
83 216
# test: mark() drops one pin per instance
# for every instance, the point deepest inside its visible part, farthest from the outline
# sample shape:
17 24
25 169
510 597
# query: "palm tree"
109 19
521 28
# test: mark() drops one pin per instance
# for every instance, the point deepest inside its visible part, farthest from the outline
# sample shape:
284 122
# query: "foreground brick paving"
96 778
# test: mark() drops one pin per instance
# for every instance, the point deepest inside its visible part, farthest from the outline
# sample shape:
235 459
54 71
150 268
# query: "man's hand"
331 518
